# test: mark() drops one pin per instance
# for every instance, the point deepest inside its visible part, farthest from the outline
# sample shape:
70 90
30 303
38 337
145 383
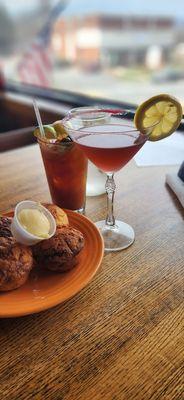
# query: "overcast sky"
80 7
136 7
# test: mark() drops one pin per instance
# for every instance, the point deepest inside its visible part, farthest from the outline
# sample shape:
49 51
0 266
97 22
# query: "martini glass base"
116 237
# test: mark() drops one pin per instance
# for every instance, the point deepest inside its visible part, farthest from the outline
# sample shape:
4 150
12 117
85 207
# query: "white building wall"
136 39
89 38
70 47
122 39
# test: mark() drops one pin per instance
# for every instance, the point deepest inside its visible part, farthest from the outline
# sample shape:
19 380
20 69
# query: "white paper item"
176 185
169 151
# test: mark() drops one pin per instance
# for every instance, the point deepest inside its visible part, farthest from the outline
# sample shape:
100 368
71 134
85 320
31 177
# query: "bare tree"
18 31
7 32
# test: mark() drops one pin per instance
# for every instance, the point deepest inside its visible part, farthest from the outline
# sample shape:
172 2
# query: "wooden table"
120 338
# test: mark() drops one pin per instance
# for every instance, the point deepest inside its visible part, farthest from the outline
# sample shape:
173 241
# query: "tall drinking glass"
109 142
66 170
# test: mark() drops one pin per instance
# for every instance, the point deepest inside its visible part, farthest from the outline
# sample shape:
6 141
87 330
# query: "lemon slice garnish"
60 130
159 116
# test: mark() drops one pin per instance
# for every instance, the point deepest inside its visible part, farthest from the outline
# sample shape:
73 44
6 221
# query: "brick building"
98 41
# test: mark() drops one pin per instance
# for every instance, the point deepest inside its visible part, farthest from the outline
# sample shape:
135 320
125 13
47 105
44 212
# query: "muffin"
16 261
5 227
59 253
57 212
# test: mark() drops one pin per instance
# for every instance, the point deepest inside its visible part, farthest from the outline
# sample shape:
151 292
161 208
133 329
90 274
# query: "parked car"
167 74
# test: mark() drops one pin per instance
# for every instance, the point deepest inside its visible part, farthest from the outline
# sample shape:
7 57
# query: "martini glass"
110 143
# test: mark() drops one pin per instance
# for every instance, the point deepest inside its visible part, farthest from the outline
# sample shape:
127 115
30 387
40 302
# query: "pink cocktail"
110 151
109 142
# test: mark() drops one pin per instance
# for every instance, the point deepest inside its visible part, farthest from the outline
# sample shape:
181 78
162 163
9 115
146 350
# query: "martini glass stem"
110 190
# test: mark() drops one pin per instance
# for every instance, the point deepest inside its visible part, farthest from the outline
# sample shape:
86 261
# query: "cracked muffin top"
5 224
61 248
59 214
16 261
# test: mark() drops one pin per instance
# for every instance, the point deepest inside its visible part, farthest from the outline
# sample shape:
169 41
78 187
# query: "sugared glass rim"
115 112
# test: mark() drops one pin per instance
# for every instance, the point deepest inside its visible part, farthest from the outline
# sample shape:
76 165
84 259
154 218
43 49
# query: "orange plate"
46 289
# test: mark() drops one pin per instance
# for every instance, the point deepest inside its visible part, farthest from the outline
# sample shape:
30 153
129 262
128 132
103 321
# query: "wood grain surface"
120 338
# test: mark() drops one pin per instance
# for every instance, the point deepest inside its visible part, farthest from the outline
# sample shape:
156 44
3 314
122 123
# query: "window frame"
70 99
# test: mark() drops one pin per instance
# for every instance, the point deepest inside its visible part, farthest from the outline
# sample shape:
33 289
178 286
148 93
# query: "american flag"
36 65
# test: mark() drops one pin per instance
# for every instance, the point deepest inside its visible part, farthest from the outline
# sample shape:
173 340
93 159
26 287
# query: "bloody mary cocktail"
66 170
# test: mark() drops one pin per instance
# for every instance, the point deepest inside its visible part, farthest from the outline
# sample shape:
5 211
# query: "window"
116 50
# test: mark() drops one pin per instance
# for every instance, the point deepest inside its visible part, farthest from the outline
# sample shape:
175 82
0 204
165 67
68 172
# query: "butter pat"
35 222
32 223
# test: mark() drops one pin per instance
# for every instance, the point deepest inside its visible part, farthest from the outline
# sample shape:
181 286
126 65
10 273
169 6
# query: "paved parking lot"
104 84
